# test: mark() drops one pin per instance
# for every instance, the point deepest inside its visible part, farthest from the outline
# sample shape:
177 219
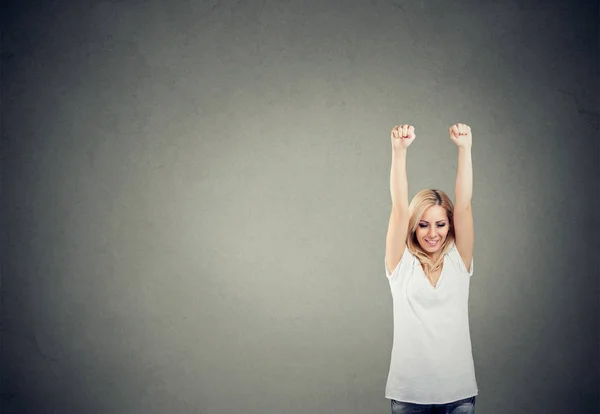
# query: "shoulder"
404 265
457 261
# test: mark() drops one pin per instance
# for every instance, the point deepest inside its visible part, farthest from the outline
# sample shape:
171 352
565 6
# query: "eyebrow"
439 221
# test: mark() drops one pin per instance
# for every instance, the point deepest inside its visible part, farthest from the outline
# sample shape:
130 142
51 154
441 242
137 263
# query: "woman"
429 263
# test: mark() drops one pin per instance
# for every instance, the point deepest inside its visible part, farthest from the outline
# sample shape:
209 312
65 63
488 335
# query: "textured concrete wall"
195 197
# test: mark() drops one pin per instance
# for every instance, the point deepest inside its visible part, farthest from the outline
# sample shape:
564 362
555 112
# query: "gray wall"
196 195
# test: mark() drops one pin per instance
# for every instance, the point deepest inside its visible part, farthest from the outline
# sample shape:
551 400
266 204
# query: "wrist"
398 151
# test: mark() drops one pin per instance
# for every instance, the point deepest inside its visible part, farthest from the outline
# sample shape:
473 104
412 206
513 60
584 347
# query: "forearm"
464 178
398 180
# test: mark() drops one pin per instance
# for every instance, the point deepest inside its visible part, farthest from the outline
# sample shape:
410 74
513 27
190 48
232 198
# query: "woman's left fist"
460 134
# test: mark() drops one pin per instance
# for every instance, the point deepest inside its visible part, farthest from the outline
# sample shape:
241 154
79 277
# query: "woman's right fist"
403 136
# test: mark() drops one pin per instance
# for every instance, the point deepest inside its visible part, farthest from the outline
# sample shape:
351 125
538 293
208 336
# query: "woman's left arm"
461 135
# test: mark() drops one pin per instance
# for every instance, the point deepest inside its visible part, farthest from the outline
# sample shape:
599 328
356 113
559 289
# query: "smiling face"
432 229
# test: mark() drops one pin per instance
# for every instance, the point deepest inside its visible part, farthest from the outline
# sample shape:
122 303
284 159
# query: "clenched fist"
461 135
403 136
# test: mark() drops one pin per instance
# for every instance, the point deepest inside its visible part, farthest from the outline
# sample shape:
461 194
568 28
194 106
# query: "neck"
434 256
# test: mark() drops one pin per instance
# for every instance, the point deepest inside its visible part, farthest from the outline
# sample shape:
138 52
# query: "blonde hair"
421 202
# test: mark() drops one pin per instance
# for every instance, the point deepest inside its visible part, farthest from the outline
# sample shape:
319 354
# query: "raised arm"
402 136
461 135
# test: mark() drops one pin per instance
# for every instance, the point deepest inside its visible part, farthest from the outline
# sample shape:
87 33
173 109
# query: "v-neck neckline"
437 285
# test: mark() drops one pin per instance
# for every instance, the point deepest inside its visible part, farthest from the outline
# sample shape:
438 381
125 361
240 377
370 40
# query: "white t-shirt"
432 360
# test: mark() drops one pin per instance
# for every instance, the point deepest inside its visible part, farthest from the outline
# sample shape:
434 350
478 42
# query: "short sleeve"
403 265
457 259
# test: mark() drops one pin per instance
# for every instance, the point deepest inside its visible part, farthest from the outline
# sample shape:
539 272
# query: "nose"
432 232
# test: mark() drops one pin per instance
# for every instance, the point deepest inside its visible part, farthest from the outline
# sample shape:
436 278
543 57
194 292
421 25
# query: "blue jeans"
465 406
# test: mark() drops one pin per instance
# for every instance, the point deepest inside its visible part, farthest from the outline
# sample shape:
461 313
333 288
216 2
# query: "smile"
431 243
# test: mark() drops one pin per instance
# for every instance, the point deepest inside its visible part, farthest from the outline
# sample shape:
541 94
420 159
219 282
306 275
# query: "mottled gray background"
195 198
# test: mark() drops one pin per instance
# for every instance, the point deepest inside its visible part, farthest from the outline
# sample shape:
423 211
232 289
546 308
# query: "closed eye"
424 225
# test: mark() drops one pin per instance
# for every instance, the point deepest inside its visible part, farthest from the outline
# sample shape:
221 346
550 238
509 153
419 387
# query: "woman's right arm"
402 136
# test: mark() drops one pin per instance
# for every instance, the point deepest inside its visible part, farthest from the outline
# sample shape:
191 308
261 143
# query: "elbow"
462 205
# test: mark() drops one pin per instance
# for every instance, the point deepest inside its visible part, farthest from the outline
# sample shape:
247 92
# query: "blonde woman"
429 264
